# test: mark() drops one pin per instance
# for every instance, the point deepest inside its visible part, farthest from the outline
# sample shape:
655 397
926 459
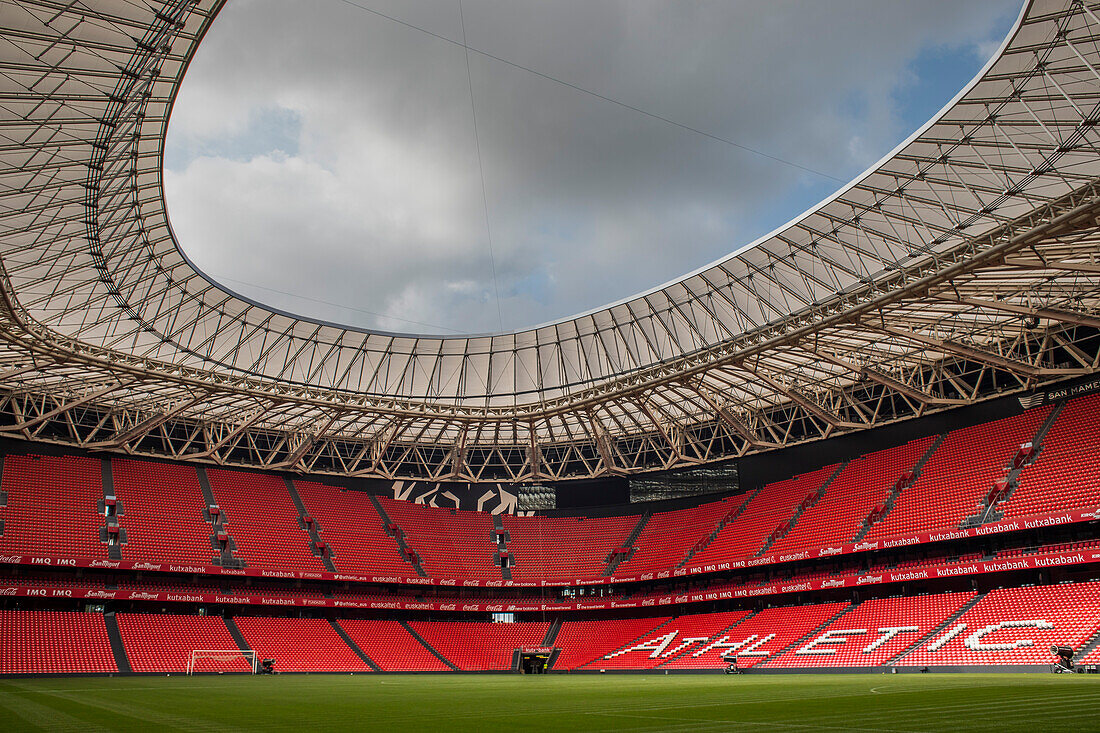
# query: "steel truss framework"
964 265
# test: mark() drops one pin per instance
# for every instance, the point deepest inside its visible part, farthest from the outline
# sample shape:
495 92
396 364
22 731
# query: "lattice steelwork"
962 266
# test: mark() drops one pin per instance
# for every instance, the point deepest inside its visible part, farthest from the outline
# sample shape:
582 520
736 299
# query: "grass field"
444 703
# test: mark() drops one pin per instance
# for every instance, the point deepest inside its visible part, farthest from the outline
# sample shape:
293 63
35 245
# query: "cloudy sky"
322 156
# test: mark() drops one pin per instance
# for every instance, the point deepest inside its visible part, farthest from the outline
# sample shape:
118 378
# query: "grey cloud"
380 206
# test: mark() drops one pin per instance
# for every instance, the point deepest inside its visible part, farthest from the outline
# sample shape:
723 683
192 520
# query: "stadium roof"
962 265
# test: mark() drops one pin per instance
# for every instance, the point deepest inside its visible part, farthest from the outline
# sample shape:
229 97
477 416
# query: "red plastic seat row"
958 475
873 632
351 526
477 645
54 642
300 644
52 506
1015 626
757 638
164 642
450 544
837 517
1066 474
263 521
163 517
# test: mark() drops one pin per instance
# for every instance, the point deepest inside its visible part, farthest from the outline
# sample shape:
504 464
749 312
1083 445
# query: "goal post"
221 660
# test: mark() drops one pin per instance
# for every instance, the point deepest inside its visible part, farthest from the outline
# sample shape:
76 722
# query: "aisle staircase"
317 546
626 550
110 508
904 482
730 517
805 638
934 633
220 539
407 553
784 529
424 643
991 506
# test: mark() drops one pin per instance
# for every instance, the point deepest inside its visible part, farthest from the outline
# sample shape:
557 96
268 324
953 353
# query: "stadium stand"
1089 651
51 509
352 527
478 646
263 520
54 642
1007 626
158 642
391 646
667 536
163 516
585 642
299 644
958 273
770 508
1015 626
450 545
52 506
1066 472
960 472
873 632
836 517
760 637
564 548
680 635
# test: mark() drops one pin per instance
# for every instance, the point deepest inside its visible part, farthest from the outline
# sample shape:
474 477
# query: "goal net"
222 660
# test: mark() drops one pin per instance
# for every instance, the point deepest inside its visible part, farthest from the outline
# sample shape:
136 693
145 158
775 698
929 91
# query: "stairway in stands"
993 506
784 529
220 539
903 482
238 637
552 632
730 517
423 642
354 647
111 508
1090 645
601 660
3 494
407 554
626 550
310 525
681 656
812 633
934 633
503 554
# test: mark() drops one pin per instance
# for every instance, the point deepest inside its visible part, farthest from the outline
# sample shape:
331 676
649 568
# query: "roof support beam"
307 441
65 406
807 405
603 445
146 426
247 423
534 454
726 415
887 381
950 347
1053 314
1030 264
458 454
676 453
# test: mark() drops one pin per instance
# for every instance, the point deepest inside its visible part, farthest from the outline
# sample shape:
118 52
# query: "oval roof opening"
479 167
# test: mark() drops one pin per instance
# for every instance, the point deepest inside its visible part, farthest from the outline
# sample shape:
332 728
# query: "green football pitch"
444 703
